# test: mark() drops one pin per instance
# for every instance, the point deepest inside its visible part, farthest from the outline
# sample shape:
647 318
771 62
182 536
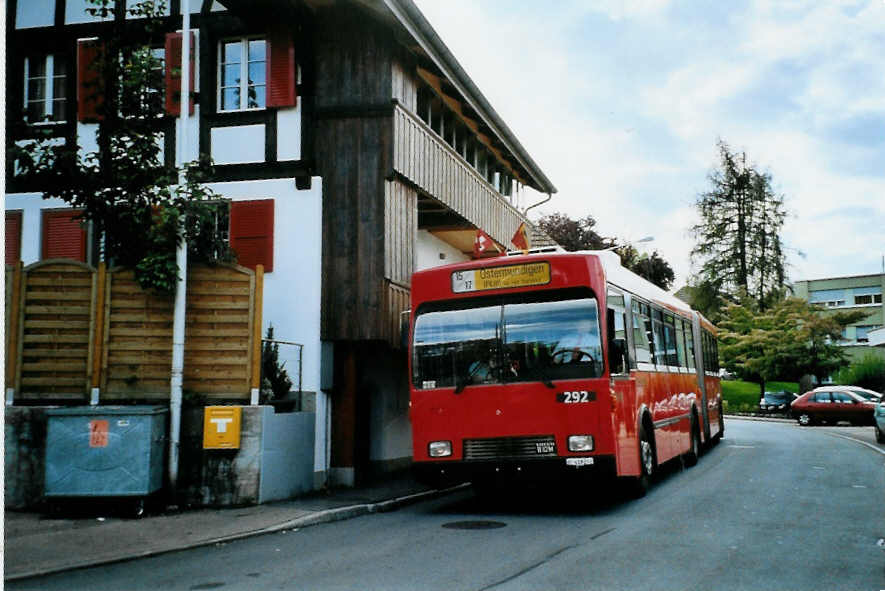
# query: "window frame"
50 80
244 85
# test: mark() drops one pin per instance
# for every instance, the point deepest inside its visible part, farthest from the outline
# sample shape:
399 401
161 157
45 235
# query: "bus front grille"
535 446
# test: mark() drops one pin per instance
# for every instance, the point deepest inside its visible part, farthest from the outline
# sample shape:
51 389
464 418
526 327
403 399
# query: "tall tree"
140 207
738 247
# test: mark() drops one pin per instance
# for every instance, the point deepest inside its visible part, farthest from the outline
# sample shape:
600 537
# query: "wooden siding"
421 156
55 319
400 230
396 301
405 90
351 155
353 59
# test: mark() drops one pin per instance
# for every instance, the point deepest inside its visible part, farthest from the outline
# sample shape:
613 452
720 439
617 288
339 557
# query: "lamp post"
631 243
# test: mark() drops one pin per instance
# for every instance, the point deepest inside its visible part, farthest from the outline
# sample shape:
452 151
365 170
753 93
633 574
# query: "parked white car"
879 425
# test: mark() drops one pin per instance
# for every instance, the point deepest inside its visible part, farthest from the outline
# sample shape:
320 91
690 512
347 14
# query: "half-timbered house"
352 149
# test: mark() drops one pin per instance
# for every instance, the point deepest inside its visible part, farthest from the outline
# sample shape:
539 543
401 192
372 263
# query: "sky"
621 103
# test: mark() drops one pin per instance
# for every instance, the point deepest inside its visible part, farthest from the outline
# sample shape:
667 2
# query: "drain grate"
474 525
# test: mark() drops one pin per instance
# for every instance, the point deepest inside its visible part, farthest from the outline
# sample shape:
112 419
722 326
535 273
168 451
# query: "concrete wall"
385 381
430 251
287 442
24 439
274 462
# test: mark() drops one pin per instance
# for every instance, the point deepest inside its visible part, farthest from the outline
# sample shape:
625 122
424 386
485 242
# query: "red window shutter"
281 69
13 237
63 236
251 232
173 74
89 84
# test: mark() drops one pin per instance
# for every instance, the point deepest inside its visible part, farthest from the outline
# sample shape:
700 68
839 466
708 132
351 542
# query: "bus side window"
689 344
660 349
617 342
641 344
680 344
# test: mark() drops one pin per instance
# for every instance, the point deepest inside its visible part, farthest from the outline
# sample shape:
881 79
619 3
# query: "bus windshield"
507 342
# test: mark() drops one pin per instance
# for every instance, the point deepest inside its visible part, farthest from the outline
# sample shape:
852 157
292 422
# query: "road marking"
743 446
869 445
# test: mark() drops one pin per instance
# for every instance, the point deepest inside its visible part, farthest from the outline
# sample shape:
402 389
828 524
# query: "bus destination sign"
501 277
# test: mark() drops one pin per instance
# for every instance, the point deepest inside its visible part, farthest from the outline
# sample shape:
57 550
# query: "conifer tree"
738 247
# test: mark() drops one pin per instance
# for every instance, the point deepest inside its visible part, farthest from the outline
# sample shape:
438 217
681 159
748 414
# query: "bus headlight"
580 443
439 449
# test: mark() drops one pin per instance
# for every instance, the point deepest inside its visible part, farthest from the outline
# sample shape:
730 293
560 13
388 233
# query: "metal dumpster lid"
118 409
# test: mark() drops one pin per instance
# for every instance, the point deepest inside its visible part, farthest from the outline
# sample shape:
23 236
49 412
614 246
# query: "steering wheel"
578 355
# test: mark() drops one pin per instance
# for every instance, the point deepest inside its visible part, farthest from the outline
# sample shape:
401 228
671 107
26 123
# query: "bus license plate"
579 461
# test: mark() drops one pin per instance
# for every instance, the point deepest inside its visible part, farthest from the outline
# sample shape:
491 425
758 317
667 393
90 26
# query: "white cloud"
631 143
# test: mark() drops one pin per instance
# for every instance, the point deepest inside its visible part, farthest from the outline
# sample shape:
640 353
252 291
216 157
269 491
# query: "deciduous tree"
581 234
789 339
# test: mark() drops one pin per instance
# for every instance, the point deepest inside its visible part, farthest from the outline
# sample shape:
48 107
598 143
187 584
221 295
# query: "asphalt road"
774 506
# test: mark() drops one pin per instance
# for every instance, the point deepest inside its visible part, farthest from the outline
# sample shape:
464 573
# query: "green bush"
868 372
740 396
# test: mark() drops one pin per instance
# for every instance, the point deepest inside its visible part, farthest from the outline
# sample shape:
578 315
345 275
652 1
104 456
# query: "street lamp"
615 247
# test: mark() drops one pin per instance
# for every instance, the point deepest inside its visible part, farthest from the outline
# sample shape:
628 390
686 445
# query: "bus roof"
615 273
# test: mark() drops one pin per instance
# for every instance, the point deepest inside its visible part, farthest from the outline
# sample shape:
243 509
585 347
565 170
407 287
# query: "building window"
45 89
862 332
870 298
242 75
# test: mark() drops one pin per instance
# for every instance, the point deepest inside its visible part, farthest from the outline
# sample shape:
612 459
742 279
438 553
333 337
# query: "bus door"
622 386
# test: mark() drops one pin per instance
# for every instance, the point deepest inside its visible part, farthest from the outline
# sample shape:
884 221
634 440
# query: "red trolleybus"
556 364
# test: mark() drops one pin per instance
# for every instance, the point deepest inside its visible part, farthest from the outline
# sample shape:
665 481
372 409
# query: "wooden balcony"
424 159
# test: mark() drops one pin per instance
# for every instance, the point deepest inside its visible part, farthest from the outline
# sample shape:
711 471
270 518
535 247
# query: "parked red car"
830 405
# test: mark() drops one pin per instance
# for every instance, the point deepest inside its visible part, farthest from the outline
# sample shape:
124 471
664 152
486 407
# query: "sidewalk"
39 544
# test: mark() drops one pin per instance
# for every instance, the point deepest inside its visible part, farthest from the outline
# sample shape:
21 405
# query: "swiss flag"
483 245
521 239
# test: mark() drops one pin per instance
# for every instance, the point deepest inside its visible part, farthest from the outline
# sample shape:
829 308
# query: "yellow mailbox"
221 427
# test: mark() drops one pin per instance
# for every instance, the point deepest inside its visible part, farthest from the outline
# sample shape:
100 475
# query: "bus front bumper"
450 472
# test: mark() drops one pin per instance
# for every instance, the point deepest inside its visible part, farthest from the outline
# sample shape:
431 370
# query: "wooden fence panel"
219 331
138 340
55 330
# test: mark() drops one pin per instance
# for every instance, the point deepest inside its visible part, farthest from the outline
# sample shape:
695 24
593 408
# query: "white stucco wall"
31 205
428 249
292 291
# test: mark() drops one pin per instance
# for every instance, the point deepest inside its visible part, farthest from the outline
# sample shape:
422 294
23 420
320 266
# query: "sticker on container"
98 433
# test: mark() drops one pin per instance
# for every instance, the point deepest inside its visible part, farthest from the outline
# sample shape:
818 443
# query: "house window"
251 232
45 89
13 236
64 237
242 74
136 100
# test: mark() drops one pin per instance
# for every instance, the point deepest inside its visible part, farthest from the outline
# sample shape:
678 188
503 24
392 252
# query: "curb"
315 518
761 419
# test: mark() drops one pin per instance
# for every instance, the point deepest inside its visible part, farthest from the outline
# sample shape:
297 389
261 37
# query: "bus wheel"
691 458
638 486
